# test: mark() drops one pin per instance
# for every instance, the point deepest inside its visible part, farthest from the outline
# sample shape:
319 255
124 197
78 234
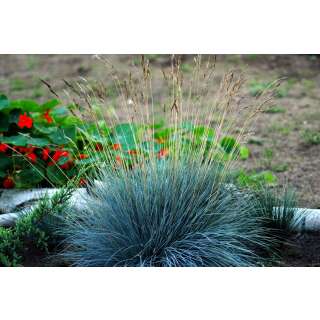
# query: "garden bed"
301 249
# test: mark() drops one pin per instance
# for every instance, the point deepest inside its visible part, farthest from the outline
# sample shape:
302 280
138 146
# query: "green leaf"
127 142
125 129
202 131
91 160
60 112
39 142
244 152
256 179
164 133
26 105
5 162
158 124
268 177
56 175
14 115
19 140
63 135
45 128
150 147
4 122
63 160
4 102
29 176
50 104
229 144
97 132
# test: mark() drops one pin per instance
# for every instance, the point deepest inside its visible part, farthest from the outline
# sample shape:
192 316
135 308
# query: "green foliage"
279 211
32 232
28 129
255 180
256 88
311 137
275 109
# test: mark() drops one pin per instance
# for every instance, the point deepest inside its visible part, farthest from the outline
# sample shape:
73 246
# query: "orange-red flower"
26 149
163 153
24 121
118 159
48 117
58 154
32 157
66 165
8 183
132 152
82 182
45 154
116 146
83 156
3 147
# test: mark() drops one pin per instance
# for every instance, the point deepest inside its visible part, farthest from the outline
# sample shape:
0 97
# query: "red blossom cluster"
59 156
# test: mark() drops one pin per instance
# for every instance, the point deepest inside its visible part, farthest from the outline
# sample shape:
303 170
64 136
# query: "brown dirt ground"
294 161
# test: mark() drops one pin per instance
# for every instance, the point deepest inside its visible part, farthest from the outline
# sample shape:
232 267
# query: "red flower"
163 153
3 147
132 152
118 159
8 183
99 147
83 156
116 146
32 157
66 165
45 154
24 121
58 154
25 149
82 182
48 117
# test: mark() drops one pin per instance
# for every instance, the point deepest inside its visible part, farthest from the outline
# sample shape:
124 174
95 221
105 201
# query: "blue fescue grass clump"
165 215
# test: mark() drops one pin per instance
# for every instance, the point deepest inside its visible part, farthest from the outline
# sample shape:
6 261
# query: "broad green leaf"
29 176
50 104
244 152
45 128
26 105
125 129
202 131
229 144
56 175
63 135
164 133
14 115
127 142
4 122
63 160
19 140
150 147
158 124
60 112
5 162
4 102
39 142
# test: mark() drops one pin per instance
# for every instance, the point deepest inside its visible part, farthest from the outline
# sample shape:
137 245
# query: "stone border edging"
309 219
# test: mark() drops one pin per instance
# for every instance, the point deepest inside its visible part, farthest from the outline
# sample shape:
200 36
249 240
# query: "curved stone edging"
11 200
14 203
